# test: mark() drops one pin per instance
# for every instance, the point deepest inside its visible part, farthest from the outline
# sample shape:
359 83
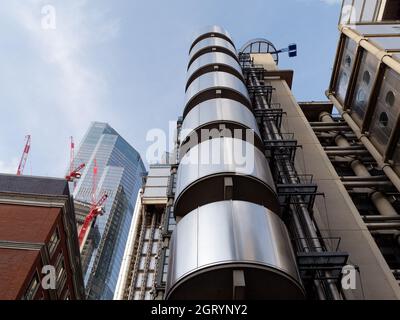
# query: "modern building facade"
270 198
119 175
38 232
146 247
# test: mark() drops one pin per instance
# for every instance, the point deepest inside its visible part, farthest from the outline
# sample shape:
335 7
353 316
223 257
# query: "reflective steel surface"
212 42
216 80
222 155
202 170
213 30
226 206
212 58
217 238
218 110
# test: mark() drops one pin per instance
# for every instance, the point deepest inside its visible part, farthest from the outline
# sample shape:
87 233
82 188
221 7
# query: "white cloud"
10 166
64 49
63 89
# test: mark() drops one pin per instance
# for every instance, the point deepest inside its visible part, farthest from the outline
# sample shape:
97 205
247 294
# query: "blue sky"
124 62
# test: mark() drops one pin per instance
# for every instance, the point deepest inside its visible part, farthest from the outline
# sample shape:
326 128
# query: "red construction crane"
22 162
73 172
95 210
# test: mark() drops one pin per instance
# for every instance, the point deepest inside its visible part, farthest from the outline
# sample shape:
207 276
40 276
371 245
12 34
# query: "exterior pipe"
344 148
272 131
331 128
364 178
365 184
342 153
381 218
383 226
327 124
381 203
386 168
326 135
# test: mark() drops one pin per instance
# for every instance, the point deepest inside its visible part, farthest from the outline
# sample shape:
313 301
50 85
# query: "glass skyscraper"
119 174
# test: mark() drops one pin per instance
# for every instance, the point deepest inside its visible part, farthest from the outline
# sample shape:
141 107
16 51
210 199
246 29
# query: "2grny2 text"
208 309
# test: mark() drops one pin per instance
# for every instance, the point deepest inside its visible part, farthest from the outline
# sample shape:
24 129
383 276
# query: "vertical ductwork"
230 241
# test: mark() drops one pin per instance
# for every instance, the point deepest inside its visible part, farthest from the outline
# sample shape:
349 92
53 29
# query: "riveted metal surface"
213 58
218 110
216 80
223 236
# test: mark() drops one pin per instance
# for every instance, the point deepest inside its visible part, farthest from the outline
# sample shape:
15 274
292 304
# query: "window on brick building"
54 241
32 288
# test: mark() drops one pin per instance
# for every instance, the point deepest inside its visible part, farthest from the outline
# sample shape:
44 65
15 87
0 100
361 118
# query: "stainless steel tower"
230 240
251 161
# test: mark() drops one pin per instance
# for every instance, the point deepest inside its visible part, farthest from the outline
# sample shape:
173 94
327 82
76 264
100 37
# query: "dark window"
392 10
32 288
53 242
390 98
383 119
61 275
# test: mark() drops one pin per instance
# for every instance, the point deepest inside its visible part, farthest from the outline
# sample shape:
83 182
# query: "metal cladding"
227 210
212 45
212 31
215 85
215 239
217 113
204 169
219 110
213 61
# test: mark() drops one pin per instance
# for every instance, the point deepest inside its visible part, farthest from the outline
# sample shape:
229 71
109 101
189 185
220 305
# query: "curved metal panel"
211 58
218 110
202 170
216 80
222 155
211 30
212 42
213 240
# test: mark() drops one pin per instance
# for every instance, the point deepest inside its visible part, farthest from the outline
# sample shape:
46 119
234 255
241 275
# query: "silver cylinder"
230 241
209 32
214 240
210 85
203 170
213 61
218 113
217 43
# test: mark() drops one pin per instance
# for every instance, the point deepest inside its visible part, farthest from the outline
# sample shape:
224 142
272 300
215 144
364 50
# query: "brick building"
37 229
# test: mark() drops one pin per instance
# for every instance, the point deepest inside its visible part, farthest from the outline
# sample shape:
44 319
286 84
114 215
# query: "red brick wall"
26 223
17 267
